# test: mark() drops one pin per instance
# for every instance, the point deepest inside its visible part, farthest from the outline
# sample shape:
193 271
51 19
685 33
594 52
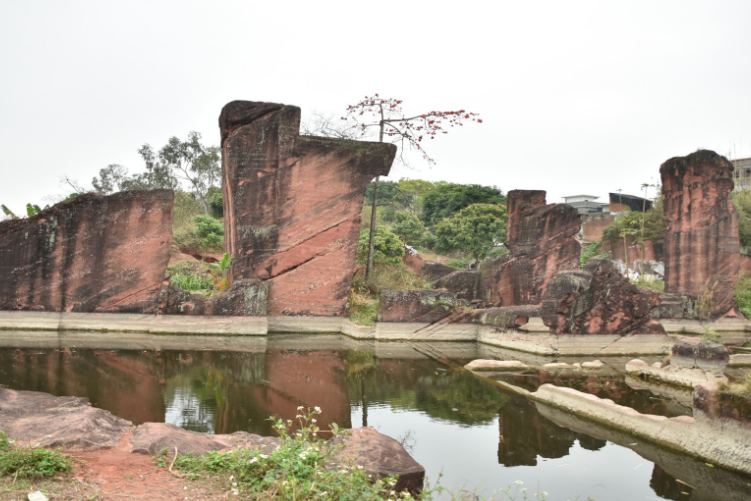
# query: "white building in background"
586 204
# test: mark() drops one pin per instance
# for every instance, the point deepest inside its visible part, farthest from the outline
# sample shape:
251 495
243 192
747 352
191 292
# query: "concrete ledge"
130 341
740 360
713 441
388 331
138 323
307 325
688 378
578 344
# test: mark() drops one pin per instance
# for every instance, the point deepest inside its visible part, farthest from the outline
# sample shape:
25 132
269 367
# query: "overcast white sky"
576 96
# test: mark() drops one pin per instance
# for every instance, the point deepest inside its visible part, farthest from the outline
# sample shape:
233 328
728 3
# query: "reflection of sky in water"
469 456
185 410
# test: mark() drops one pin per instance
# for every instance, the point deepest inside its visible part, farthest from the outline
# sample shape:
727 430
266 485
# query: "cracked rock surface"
292 206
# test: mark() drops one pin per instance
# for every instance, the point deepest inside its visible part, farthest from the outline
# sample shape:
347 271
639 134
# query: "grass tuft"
29 462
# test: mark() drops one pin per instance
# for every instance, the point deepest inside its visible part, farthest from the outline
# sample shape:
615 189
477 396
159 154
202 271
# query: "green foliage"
742 295
220 270
474 229
8 212
387 248
364 297
408 228
210 231
189 276
177 161
655 224
33 210
25 462
657 285
590 250
446 199
184 209
216 205
302 468
386 192
742 201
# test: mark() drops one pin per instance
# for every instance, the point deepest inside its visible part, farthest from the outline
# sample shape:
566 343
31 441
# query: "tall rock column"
701 244
541 240
292 205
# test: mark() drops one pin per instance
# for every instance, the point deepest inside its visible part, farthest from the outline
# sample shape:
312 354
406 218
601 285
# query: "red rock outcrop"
598 300
417 305
292 205
541 240
244 298
381 456
33 417
701 244
93 253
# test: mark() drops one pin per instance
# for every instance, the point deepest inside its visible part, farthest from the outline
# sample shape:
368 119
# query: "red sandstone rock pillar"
701 244
292 205
541 240
90 254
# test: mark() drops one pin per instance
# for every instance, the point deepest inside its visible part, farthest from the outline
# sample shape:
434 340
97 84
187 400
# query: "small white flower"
299 407
318 409
518 482
524 489
234 484
544 493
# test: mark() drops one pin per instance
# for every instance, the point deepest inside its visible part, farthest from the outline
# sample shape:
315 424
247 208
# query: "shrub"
210 231
30 462
301 468
387 249
742 295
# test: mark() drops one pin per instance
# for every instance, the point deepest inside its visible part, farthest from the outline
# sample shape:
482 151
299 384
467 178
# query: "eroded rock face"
465 283
701 244
244 298
44 420
707 356
598 300
381 456
292 206
505 317
541 240
93 253
417 305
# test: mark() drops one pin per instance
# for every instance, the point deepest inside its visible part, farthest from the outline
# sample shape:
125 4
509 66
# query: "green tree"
393 126
447 199
387 248
178 161
474 229
742 201
193 162
408 228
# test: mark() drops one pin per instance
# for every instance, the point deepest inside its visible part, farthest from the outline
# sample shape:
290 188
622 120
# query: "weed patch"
29 462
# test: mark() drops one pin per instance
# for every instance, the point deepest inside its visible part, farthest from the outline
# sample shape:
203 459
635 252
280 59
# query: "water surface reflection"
450 420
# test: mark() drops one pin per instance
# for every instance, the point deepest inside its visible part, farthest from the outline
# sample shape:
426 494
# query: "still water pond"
467 428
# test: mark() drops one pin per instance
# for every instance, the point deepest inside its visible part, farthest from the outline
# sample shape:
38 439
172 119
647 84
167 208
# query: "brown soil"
114 474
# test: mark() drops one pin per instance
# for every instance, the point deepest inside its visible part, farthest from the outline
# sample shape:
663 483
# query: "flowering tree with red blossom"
393 126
